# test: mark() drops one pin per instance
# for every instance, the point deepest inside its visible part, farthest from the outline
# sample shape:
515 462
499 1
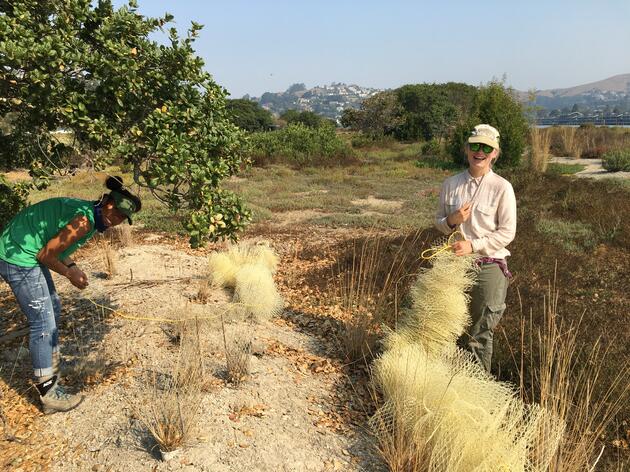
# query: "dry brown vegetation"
540 142
586 141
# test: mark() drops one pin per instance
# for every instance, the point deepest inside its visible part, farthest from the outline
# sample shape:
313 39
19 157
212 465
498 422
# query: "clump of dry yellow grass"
439 312
225 265
456 416
110 258
249 269
540 139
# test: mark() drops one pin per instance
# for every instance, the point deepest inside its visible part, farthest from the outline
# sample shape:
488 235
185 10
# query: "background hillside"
607 96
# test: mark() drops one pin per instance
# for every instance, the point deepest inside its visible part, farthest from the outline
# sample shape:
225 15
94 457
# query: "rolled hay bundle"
457 415
225 265
255 292
439 311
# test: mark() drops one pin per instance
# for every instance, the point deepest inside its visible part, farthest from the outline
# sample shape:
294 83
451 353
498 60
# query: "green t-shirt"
31 229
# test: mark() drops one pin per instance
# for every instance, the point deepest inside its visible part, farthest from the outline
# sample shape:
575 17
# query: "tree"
307 118
379 115
296 88
93 70
497 106
428 112
249 115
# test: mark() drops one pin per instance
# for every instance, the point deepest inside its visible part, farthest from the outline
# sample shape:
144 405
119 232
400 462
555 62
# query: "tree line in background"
444 114
440 114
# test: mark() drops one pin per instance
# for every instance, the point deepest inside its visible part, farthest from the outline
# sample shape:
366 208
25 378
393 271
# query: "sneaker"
56 399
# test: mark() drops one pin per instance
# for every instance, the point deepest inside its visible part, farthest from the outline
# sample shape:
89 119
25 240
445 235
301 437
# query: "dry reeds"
571 146
172 407
567 380
238 353
539 151
370 280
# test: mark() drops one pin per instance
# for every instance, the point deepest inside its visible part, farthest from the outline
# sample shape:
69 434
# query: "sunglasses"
474 147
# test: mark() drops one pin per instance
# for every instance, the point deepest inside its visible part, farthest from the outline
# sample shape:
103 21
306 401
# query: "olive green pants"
486 309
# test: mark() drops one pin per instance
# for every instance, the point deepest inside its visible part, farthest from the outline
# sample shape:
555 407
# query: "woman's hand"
461 248
77 277
459 216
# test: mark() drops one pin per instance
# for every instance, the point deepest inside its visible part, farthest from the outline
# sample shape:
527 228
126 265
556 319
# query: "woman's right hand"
77 277
459 216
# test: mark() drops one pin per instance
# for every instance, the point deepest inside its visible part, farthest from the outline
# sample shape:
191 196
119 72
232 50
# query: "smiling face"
111 215
480 162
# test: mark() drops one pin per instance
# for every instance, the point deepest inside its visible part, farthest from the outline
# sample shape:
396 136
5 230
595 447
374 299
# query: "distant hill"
613 92
618 83
605 96
326 100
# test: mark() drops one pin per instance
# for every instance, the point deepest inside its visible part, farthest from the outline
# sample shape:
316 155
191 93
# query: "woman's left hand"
461 248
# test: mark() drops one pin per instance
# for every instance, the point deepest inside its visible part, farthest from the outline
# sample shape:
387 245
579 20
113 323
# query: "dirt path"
593 168
297 411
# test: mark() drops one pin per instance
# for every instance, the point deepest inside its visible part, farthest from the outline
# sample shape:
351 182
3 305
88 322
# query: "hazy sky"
262 45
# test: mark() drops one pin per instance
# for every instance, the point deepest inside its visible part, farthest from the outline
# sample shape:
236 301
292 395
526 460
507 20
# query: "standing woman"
482 206
41 238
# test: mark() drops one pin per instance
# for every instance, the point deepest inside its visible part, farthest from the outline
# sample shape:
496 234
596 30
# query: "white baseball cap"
485 134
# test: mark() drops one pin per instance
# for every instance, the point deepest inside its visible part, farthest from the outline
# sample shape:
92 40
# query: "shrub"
617 160
596 152
12 200
497 106
300 145
366 140
432 148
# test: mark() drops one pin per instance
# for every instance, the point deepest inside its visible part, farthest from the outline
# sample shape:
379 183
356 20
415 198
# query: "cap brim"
484 140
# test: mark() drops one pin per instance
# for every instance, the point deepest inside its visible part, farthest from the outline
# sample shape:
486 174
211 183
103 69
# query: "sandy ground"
593 168
288 415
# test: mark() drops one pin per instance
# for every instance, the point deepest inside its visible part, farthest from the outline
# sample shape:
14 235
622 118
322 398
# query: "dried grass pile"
451 414
249 269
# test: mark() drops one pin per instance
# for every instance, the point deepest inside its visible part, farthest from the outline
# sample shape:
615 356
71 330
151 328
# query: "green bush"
12 199
618 160
431 148
497 106
300 145
366 140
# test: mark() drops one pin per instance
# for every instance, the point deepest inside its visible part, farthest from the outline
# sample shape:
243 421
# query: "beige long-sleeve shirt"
492 223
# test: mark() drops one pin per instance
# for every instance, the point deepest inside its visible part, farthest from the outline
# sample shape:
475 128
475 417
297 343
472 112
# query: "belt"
493 260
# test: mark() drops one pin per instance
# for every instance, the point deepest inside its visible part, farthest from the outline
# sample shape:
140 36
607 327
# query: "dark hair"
116 184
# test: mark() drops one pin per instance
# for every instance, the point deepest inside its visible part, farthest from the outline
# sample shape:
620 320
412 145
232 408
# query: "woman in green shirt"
41 238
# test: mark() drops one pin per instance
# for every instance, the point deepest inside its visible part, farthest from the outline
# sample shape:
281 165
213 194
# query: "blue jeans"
35 292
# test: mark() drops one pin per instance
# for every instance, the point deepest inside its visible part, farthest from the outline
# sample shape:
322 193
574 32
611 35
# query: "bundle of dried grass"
439 312
256 292
110 258
456 416
121 235
171 409
249 269
225 265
